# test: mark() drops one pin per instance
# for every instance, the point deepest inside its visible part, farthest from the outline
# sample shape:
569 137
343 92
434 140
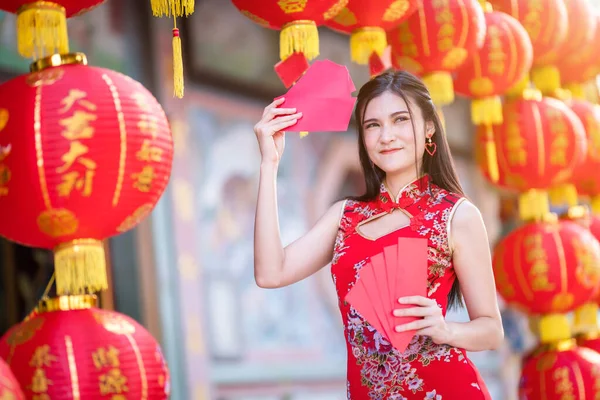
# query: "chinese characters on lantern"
42 358
147 152
396 10
592 128
78 169
409 47
535 255
559 141
586 270
496 56
514 142
112 381
445 19
533 20
562 384
4 153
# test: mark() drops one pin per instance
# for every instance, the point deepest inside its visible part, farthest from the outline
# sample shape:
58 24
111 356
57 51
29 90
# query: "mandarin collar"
408 195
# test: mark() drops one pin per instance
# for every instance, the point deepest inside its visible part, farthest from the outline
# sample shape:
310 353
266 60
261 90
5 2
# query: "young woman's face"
388 133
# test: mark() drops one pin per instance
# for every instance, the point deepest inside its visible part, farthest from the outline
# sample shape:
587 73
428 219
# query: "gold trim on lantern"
535 207
546 79
67 303
57 60
558 346
80 267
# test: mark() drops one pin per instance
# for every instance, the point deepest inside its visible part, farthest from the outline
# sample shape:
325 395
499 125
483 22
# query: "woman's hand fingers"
274 104
416 312
418 301
415 325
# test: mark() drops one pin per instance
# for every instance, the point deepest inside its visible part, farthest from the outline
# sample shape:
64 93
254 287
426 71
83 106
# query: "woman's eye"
371 125
401 119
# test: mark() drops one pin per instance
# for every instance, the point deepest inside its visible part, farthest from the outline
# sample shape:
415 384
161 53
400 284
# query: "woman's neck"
394 183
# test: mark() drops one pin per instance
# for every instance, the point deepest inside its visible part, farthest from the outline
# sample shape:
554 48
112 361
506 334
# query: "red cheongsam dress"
425 370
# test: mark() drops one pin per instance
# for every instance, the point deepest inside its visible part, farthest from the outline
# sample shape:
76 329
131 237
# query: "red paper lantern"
367 23
538 145
9 387
545 21
85 154
585 176
72 350
582 65
437 39
548 268
561 372
42 25
581 30
503 60
297 20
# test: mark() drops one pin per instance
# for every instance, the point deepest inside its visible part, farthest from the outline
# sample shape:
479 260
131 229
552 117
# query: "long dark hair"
439 167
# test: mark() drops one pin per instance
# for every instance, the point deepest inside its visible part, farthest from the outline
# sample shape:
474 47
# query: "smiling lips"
390 151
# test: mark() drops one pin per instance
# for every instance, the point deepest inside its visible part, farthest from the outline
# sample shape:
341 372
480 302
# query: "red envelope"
291 69
411 280
324 97
375 296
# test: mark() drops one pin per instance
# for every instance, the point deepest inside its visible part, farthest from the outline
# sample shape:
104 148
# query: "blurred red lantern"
563 371
548 268
367 23
545 21
581 29
297 20
503 60
585 176
42 25
9 387
437 39
501 63
72 350
582 65
539 144
85 153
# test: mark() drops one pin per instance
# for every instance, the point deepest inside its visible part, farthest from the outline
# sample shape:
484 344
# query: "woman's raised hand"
270 130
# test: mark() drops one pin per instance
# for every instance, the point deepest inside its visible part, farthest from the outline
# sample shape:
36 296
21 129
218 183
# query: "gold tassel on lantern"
554 328
595 204
178 8
534 205
491 154
366 41
486 111
577 90
586 320
42 30
178 87
546 79
299 37
175 9
564 195
80 267
441 87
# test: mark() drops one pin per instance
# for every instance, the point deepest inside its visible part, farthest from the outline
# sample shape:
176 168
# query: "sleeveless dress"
376 370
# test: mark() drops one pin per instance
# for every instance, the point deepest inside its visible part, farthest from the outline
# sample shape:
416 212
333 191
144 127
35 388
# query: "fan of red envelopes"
399 271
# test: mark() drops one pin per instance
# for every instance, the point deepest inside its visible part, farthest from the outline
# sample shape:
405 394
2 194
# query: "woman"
411 183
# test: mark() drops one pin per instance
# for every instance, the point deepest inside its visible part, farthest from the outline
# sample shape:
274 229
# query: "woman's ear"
429 129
